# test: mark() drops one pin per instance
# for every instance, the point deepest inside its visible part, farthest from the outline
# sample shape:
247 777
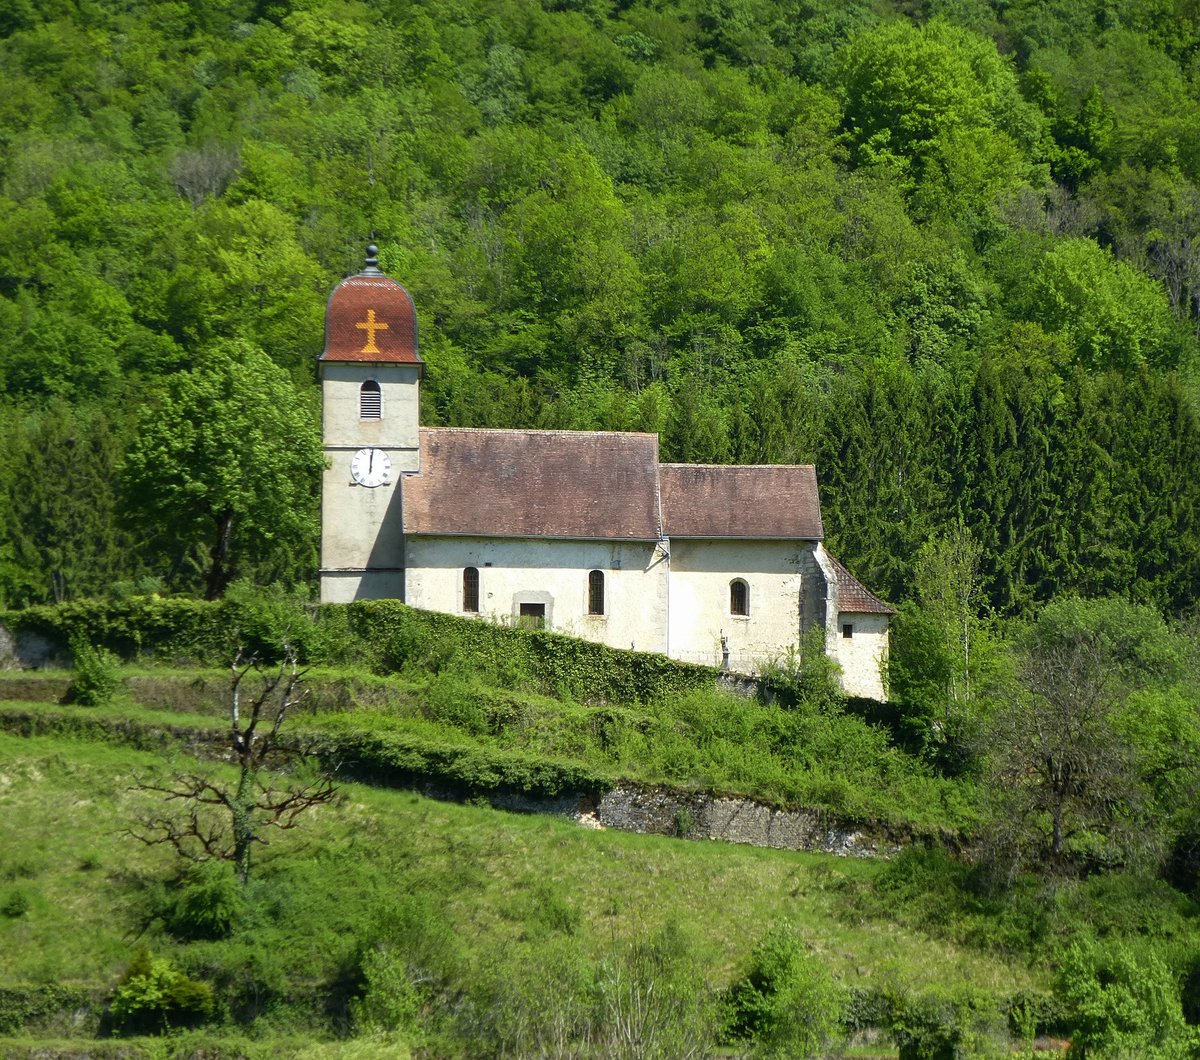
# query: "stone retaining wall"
694 815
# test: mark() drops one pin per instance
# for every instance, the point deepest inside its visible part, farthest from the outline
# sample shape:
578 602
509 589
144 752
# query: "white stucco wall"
344 587
701 572
862 656
553 572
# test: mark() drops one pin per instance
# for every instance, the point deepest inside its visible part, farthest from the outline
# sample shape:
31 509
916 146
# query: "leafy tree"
1070 782
939 105
1113 316
228 460
154 996
60 494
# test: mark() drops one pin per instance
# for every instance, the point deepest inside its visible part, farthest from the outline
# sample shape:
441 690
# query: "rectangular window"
533 616
847 630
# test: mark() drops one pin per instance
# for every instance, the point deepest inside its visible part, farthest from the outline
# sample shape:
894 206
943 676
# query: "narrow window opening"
370 401
847 630
739 597
471 589
596 592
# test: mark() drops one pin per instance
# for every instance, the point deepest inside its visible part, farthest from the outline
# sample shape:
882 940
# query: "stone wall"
694 815
27 651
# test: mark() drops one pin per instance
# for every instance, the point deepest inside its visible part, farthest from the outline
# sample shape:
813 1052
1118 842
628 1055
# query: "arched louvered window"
739 597
471 589
596 592
370 401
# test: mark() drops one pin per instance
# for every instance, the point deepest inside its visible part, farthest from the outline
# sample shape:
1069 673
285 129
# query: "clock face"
371 467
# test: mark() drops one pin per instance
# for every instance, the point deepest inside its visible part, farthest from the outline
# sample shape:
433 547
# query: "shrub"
208 905
1120 1005
414 956
94 680
786 1002
943 1026
15 904
154 996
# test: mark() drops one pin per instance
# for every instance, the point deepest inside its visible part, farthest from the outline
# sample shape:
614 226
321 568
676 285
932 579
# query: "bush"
154 996
1120 1005
943 1026
15 904
786 1002
208 905
95 679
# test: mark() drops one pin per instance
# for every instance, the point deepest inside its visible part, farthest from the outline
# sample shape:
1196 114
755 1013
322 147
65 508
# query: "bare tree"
1058 766
206 171
223 822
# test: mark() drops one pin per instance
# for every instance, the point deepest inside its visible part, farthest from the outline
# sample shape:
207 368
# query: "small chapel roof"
853 596
512 483
758 501
371 319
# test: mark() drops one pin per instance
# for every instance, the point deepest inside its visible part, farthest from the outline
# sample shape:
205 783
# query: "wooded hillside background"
946 251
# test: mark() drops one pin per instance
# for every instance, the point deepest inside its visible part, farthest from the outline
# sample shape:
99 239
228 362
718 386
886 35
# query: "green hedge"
21 1006
551 663
405 761
393 760
384 635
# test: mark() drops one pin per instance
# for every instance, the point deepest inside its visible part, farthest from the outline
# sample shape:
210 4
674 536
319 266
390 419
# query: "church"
581 532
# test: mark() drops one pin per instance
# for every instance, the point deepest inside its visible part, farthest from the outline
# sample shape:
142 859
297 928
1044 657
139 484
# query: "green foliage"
648 998
154 996
808 676
15 903
94 676
227 463
415 956
1118 1004
785 1003
512 656
941 1025
208 903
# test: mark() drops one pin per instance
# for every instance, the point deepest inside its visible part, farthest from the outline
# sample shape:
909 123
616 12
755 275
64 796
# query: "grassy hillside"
388 921
492 897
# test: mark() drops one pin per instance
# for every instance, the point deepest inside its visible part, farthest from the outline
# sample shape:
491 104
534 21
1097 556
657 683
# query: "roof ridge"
544 430
748 467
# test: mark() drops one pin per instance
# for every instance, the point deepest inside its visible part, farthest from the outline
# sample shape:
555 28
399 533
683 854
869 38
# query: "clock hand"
371 462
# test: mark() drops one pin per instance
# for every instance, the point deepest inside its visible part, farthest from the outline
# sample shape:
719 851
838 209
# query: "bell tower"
370 386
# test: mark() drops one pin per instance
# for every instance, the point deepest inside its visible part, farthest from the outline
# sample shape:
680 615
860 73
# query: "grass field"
388 921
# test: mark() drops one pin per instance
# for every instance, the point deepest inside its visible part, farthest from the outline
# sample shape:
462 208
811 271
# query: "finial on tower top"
372 266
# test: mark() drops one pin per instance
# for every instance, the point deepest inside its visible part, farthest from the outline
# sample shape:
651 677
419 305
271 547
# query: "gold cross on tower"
370 326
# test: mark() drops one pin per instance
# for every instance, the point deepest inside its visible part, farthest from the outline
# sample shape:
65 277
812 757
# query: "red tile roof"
764 501
565 484
370 318
853 596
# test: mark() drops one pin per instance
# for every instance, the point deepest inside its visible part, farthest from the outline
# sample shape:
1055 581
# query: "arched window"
596 592
471 589
739 597
370 401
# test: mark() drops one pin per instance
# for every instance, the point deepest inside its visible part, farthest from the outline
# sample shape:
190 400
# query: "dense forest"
945 250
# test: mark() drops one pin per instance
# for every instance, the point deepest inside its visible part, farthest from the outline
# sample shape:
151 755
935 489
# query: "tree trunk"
243 823
218 570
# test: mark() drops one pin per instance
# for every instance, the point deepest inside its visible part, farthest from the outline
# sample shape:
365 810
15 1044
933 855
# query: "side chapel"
582 532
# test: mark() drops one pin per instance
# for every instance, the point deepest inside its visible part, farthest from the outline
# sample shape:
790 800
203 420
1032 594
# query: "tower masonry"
370 388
